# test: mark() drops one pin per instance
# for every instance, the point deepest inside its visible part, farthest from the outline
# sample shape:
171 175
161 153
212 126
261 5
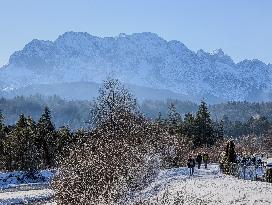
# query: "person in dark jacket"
268 175
205 159
191 165
199 160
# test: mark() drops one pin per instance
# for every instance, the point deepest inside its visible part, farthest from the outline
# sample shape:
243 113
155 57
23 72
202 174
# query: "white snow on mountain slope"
142 59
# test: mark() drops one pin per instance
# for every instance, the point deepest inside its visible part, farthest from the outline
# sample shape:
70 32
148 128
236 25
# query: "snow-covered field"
19 188
25 197
175 186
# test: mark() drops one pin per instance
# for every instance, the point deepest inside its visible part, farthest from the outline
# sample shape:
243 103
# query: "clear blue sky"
242 28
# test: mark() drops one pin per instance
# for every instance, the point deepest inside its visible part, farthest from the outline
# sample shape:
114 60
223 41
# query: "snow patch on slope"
142 59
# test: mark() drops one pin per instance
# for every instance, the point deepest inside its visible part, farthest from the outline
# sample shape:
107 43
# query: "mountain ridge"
141 59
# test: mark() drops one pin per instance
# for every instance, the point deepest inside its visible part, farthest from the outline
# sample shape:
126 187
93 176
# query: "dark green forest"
239 118
31 144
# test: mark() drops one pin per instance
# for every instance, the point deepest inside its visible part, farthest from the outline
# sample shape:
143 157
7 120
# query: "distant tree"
219 130
33 158
174 119
63 139
258 125
204 131
46 137
16 144
114 107
189 125
22 152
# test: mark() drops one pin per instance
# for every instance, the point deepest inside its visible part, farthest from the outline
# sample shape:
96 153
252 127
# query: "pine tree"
220 130
230 152
204 131
174 119
63 140
16 145
33 152
189 125
46 137
160 124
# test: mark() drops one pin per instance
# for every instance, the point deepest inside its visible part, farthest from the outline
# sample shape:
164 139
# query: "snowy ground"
26 196
174 186
19 188
205 187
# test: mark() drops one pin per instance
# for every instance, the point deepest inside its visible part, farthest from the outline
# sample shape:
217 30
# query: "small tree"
229 159
230 152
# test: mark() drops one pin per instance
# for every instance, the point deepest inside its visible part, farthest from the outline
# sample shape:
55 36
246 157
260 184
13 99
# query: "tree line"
32 145
29 145
239 118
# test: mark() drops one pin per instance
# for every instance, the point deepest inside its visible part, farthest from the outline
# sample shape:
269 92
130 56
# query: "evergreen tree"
189 125
33 153
160 124
159 119
204 131
174 119
46 139
20 150
16 145
63 140
230 152
220 130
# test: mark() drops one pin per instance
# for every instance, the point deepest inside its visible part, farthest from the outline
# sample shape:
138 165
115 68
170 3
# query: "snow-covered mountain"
141 59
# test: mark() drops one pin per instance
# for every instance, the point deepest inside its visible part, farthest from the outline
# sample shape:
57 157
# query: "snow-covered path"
17 188
175 186
205 187
24 197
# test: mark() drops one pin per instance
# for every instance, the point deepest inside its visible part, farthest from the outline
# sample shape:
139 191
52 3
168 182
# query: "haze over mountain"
151 66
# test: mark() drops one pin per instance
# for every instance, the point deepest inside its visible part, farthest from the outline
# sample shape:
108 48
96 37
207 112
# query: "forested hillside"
239 118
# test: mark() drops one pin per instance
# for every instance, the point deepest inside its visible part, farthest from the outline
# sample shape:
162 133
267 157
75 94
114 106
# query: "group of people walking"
191 163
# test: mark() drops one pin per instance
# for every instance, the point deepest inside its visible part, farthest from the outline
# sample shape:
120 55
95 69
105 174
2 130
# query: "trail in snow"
175 186
25 197
18 188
